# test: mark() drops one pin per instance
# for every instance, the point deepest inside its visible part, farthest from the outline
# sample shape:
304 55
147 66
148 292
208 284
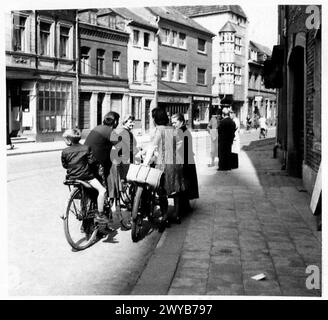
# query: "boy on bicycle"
79 161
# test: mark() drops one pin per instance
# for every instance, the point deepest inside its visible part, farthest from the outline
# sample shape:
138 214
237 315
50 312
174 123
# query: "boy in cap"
78 160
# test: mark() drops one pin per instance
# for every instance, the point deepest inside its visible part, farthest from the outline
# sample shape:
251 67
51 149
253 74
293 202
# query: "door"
84 110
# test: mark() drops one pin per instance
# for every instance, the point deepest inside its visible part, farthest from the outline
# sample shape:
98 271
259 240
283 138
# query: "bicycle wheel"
79 226
136 225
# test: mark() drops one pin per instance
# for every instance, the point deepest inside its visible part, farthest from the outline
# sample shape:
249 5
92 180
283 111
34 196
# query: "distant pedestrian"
186 156
235 149
212 128
263 127
81 164
248 123
226 131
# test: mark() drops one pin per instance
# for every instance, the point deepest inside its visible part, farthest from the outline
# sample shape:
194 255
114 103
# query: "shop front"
176 104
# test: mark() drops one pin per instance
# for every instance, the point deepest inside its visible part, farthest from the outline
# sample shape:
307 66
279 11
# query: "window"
146 40
253 55
100 62
136 107
237 79
85 68
201 45
182 73
201 73
54 106
116 63
63 42
174 38
135 70
174 67
135 37
45 39
19 41
182 40
146 72
164 70
238 45
166 36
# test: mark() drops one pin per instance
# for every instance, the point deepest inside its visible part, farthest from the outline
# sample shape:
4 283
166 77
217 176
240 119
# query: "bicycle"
146 203
80 227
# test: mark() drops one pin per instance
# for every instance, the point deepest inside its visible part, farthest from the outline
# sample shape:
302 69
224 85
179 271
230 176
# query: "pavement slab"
248 221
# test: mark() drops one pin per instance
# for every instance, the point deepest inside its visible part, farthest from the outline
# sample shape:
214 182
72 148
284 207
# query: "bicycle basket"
144 174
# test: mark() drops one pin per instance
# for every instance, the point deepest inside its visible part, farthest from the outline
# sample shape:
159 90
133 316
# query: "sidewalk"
248 221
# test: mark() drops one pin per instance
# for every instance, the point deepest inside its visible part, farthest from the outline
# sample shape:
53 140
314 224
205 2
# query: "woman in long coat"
163 146
190 179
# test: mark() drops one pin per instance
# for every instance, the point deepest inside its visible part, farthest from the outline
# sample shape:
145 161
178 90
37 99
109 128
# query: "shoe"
163 224
101 218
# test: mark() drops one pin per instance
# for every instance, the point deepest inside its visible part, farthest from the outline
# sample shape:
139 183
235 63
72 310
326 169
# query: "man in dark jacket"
226 131
101 140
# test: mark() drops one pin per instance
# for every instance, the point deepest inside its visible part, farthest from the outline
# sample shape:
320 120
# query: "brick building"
40 73
261 100
103 72
184 64
141 63
295 69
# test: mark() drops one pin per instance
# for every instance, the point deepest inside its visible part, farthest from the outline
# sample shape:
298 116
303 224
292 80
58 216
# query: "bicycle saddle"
76 183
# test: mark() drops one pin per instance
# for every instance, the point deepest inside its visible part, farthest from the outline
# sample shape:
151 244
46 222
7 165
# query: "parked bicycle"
80 227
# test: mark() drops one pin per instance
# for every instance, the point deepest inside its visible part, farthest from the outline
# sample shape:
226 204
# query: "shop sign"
201 98
173 99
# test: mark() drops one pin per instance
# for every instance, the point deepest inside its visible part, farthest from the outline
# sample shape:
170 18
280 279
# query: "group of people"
225 144
108 151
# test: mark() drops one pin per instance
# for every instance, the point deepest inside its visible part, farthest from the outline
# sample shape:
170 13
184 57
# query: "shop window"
19 33
54 106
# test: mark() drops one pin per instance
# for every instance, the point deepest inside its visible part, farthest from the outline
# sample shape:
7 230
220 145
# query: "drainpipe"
77 70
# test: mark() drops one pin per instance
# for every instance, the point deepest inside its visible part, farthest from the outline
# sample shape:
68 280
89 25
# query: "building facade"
40 73
295 69
103 72
141 64
261 100
184 62
229 55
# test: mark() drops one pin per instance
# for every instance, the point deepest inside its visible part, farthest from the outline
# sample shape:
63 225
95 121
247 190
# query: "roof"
261 48
194 11
130 15
169 13
228 27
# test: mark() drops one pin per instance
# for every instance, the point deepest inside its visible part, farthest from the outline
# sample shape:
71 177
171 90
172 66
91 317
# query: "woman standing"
163 146
189 167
